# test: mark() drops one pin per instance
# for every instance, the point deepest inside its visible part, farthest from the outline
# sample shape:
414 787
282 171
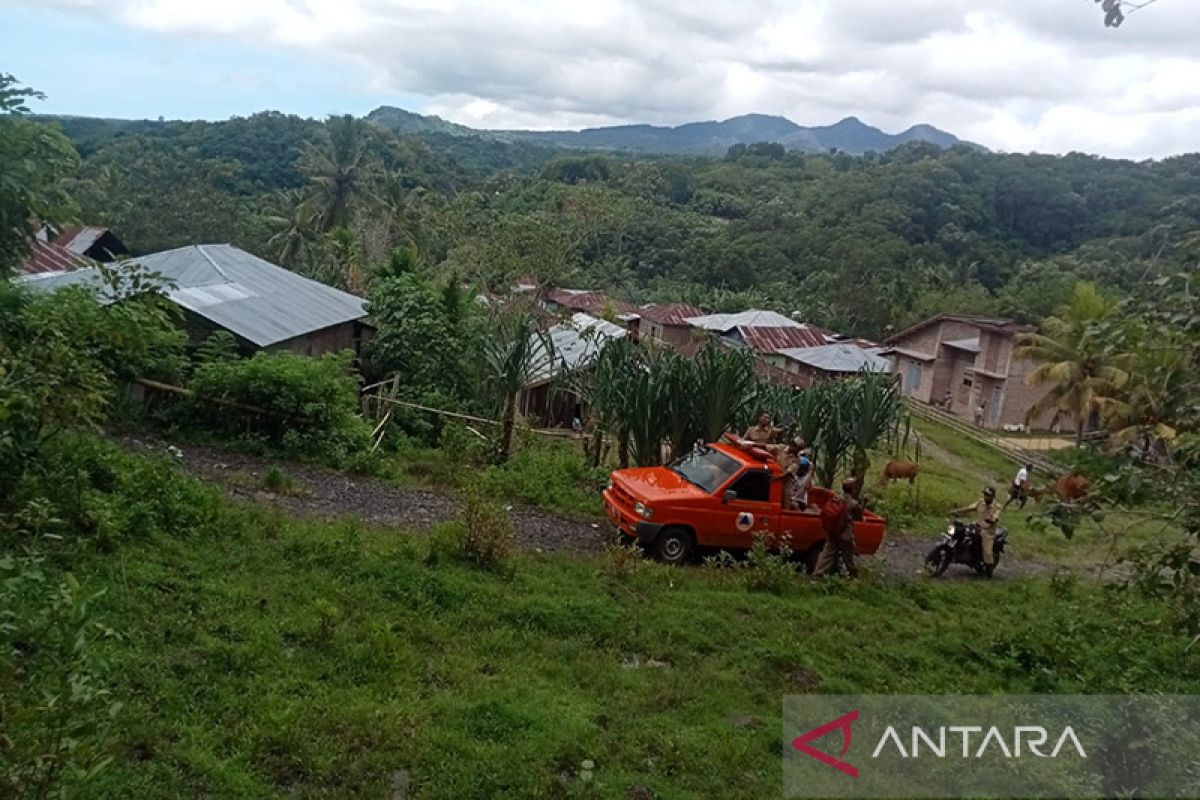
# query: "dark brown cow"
1070 488
900 471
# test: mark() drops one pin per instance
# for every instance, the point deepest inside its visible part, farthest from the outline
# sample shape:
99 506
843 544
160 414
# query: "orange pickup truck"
721 496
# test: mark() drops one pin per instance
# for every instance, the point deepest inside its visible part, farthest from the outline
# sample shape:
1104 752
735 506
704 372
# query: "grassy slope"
304 660
924 509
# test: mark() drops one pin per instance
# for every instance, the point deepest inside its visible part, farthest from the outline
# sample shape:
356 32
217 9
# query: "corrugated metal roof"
248 296
575 343
772 340
670 313
79 240
592 302
45 257
1000 324
754 318
838 357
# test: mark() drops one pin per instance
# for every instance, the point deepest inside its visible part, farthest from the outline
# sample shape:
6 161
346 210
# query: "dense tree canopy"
861 244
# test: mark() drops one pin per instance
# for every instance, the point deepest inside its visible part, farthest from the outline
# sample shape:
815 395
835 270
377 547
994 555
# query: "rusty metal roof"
670 313
45 257
772 340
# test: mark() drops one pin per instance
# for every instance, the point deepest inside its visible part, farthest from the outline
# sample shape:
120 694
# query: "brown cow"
1070 488
900 471
1038 493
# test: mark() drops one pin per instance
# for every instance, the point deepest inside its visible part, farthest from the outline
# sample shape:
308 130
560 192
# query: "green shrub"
487 532
550 476
768 566
278 482
85 487
309 406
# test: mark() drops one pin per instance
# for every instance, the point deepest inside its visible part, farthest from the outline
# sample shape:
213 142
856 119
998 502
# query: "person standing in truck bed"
763 432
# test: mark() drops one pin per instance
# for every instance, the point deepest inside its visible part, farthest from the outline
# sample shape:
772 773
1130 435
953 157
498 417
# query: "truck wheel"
674 546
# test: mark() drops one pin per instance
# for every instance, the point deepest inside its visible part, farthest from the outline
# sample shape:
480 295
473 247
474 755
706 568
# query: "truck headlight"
644 511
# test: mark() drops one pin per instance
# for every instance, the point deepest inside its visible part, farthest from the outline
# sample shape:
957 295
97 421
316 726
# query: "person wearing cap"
987 513
839 541
762 433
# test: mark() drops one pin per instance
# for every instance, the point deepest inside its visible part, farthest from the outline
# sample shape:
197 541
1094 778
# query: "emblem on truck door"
745 521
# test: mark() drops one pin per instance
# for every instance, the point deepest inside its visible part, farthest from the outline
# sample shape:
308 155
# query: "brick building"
971 360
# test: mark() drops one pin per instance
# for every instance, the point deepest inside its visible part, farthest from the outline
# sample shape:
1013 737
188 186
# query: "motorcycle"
961 545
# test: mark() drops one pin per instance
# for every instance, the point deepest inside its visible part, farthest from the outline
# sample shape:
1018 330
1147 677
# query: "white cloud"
1013 75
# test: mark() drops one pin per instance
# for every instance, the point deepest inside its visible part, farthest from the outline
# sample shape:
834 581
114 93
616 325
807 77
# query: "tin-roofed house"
576 342
765 333
668 322
265 307
833 361
94 242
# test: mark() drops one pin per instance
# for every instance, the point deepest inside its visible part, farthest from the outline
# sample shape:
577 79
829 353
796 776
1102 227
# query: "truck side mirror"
729 496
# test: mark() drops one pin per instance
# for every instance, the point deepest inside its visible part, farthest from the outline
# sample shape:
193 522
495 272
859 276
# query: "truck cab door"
750 513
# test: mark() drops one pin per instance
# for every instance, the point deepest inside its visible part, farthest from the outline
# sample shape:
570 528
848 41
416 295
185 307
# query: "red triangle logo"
801 743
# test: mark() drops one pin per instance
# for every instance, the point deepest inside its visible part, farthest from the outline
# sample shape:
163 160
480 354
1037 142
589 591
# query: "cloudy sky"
1014 75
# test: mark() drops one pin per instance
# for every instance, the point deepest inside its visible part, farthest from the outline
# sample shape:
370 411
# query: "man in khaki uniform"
839 544
987 512
788 457
762 433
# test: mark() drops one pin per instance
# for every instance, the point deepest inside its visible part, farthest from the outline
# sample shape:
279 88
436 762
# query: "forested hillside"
864 244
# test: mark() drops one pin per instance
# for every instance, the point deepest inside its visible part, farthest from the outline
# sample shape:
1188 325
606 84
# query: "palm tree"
515 353
1160 382
340 171
1071 358
292 219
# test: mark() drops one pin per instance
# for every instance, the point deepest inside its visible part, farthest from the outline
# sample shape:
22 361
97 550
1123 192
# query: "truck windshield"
708 469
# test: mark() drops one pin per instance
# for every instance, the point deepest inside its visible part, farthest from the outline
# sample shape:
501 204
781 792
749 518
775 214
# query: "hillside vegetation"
862 244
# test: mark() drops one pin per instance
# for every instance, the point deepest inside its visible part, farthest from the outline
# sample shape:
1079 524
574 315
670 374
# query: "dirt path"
324 494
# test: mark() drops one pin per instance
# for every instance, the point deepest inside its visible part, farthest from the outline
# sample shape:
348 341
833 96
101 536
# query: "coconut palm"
1160 380
340 171
1070 356
292 220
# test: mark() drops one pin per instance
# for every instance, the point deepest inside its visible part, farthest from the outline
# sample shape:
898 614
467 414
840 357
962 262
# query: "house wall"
674 335
916 377
1020 397
347 336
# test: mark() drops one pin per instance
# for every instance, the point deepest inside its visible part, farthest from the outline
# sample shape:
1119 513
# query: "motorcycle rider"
987 512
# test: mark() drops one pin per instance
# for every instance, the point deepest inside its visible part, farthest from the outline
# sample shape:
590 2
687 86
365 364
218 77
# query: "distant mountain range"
851 135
